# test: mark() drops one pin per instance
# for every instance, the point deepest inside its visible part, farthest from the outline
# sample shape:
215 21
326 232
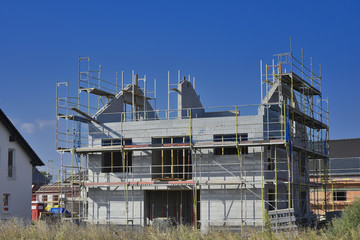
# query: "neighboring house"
65 193
38 180
17 161
344 176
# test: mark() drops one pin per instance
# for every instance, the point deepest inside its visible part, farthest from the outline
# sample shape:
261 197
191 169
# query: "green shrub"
348 226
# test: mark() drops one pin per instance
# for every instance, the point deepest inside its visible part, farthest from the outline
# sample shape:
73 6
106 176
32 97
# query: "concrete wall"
220 203
19 187
188 98
202 129
108 205
102 201
112 111
223 207
141 170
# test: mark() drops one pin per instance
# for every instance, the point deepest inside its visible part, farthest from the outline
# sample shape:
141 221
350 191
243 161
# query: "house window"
173 162
339 195
55 198
6 202
11 170
230 138
115 160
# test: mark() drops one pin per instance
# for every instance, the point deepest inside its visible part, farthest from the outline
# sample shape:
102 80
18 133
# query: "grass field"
347 227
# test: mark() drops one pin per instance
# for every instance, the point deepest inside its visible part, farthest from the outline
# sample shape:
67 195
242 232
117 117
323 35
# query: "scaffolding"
289 132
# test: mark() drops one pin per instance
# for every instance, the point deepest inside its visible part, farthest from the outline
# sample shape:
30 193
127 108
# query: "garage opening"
177 206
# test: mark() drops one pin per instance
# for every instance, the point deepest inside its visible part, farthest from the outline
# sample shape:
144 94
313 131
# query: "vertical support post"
155 96
144 107
276 180
133 96
57 112
242 209
67 114
320 81
79 202
262 186
122 80
112 161
184 160
261 82
289 177
273 70
61 179
312 77
195 192
177 164
291 55
195 206
266 83
122 129
116 82
79 79
172 159
302 63
162 158
241 187
181 206
72 180
153 205
89 85
190 129
127 207
236 127
267 121
99 86
332 190
167 204
290 156
168 112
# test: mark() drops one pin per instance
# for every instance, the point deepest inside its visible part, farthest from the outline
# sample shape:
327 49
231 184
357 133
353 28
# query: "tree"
47 177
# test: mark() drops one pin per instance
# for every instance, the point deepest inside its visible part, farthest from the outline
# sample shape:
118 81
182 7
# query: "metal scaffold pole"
127 207
285 132
276 180
262 186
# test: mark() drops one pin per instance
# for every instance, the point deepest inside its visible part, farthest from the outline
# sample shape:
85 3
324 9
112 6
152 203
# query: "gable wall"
19 187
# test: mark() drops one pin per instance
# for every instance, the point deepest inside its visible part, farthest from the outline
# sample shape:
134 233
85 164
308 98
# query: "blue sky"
218 42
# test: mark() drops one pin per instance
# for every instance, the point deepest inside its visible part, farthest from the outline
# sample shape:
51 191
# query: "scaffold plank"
98 92
299 84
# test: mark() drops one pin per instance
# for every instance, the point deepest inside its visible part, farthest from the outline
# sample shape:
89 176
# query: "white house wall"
18 187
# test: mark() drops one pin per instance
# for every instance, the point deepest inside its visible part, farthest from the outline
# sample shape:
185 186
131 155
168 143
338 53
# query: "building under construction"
193 165
343 178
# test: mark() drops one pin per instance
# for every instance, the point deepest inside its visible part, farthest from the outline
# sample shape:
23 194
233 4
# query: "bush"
348 224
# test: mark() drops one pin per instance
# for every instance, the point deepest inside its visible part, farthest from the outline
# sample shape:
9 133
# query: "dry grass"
41 230
347 227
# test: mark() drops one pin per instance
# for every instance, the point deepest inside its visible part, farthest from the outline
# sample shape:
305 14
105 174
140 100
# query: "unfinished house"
343 185
192 165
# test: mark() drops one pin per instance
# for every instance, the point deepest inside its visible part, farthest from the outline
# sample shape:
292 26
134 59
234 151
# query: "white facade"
16 183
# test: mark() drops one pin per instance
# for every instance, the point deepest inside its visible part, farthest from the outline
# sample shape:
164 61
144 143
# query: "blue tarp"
58 210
